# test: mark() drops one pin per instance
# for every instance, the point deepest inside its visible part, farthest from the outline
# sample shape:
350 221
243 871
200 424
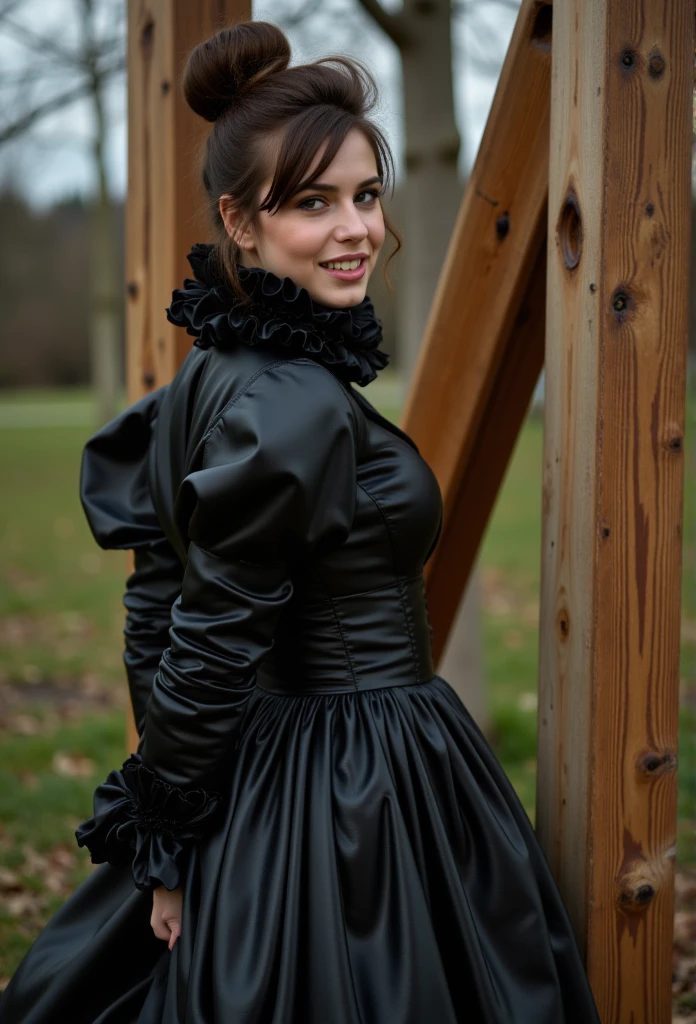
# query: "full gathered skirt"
372 865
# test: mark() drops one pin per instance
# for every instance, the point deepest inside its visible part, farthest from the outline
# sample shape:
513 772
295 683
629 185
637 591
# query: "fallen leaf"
22 903
72 765
8 880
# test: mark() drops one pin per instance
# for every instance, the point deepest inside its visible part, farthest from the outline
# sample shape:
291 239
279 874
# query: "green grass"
60 634
62 396
60 595
39 811
52 805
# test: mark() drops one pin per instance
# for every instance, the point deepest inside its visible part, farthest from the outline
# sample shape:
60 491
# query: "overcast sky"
54 162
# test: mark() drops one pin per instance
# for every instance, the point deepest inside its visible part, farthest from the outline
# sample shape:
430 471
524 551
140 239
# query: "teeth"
343 265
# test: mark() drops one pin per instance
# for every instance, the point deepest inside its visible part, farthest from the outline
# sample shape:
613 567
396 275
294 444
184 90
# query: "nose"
351 225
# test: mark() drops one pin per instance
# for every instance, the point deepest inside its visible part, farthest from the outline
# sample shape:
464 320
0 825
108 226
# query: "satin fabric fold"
373 866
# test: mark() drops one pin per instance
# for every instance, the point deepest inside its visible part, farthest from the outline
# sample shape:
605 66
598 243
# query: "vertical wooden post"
165 209
616 346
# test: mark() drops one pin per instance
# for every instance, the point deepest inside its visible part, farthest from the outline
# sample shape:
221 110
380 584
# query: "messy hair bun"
241 80
222 69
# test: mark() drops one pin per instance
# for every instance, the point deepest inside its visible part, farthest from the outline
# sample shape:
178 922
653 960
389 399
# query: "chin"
341 296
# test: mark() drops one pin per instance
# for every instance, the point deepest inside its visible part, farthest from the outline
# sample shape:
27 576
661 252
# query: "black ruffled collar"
279 313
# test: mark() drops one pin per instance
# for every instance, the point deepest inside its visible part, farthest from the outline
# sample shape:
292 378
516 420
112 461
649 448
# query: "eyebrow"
322 187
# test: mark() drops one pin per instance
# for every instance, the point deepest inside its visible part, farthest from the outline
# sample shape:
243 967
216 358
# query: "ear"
232 220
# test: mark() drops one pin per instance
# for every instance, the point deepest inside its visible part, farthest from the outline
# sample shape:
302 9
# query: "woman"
312 824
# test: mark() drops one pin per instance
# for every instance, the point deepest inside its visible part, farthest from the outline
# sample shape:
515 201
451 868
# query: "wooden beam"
483 347
165 211
166 206
616 347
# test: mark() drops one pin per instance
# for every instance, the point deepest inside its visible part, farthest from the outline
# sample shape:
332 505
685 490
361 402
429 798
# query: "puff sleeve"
115 495
276 488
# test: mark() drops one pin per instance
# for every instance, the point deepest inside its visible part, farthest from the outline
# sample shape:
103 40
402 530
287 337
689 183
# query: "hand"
166 914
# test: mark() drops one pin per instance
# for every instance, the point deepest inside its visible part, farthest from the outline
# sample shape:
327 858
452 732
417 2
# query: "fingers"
174 934
168 929
159 927
166 915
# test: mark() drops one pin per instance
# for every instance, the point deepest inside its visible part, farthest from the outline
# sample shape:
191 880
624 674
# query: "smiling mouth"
346 270
343 264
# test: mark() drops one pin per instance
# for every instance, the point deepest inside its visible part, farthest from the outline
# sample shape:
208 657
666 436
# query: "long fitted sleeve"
276 487
115 492
151 590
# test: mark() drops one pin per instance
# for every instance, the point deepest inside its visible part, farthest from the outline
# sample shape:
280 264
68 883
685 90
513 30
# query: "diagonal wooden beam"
165 208
616 350
484 343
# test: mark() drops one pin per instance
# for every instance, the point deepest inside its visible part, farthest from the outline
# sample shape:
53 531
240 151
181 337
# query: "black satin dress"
349 849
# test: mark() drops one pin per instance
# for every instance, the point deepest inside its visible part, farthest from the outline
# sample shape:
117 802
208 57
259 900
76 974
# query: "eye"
372 194
312 199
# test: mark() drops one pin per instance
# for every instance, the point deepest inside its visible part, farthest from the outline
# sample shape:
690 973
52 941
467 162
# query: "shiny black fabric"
141 820
348 846
276 311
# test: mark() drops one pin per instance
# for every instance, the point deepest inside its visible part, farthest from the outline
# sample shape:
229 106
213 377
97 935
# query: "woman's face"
337 220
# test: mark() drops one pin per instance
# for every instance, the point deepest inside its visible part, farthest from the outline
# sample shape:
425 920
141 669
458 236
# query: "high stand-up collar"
279 313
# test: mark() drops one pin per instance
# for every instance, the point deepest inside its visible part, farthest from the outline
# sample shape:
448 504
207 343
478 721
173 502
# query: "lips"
346 257
356 270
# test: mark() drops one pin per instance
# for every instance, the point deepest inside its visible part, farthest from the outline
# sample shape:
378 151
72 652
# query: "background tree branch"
22 124
394 25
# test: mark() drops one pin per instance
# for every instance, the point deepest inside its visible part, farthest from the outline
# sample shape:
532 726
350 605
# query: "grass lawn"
62 691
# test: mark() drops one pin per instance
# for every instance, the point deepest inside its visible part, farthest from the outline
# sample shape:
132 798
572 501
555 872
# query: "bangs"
302 139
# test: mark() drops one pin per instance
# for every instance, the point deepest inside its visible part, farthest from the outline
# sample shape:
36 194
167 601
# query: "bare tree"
422 32
55 72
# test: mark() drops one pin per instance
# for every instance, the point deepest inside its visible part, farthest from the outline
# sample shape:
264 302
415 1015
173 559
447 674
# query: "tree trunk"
105 315
105 298
433 189
433 193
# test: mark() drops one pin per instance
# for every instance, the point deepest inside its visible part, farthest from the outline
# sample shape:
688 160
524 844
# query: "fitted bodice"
358 618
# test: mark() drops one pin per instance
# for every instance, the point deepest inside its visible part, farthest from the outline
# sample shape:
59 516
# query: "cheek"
301 237
377 230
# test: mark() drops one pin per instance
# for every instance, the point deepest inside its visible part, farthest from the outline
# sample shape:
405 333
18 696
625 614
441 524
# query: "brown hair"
240 80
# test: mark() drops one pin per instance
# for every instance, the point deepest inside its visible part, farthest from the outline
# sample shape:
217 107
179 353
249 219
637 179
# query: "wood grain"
616 345
483 347
166 207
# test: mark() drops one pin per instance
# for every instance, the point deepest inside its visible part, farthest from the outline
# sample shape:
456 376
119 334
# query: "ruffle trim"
141 820
278 312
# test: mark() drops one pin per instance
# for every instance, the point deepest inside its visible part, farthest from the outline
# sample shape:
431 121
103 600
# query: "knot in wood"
656 64
563 622
502 226
652 763
636 897
622 303
147 38
641 878
569 230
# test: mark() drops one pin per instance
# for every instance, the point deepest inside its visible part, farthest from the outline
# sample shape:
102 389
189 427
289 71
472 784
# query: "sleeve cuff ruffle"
140 819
